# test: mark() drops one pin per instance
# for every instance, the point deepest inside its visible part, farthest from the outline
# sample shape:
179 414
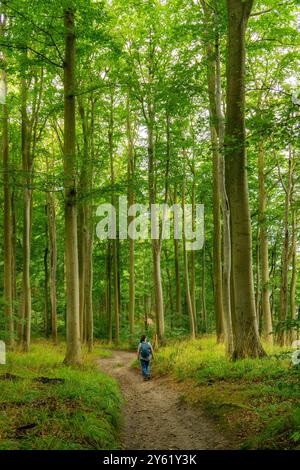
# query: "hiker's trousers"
145 366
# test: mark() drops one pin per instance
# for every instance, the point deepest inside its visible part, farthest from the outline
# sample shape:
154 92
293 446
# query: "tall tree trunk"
81 261
193 253
257 290
247 338
294 273
185 259
170 289
203 292
217 234
286 253
85 230
52 245
7 222
114 241
267 327
14 251
130 198
177 273
221 292
46 278
26 166
53 264
108 293
90 235
155 243
73 353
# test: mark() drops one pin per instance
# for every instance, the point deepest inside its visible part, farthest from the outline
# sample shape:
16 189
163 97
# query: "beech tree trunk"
130 198
193 252
221 276
46 280
286 252
267 327
186 266
73 353
177 273
53 264
108 293
155 243
52 248
247 341
7 218
26 167
114 241
293 286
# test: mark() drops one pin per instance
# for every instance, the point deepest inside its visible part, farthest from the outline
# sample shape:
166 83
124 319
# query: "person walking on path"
145 354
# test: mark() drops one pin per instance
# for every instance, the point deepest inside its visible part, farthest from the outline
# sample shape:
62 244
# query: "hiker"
144 354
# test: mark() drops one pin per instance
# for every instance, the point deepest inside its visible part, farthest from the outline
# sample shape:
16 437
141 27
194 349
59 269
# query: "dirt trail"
154 415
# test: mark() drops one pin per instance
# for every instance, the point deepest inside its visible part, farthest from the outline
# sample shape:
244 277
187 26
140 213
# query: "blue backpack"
145 351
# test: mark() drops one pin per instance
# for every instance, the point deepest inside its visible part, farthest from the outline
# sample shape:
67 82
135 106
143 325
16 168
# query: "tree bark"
114 241
73 353
185 259
221 277
26 166
267 327
155 244
247 342
130 198
53 264
177 273
294 274
7 213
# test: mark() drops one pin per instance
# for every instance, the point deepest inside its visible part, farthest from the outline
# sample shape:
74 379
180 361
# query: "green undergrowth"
47 405
257 400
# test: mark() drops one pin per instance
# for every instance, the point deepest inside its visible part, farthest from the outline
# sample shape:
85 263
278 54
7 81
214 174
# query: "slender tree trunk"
217 234
272 275
108 293
114 241
193 253
53 264
286 253
170 289
177 272
203 291
130 198
155 243
267 327
185 259
85 230
52 245
257 291
7 222
90 236
46 278
247 338
221 291
14 248
26 166
73 353
81 261
294 273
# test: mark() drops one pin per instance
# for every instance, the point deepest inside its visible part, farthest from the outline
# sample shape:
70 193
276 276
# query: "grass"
257 400
81 410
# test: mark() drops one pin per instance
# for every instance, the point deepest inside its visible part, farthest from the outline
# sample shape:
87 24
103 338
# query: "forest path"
155 416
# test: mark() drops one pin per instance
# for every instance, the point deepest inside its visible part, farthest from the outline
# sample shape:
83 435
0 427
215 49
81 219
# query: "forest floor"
155 415
45 405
